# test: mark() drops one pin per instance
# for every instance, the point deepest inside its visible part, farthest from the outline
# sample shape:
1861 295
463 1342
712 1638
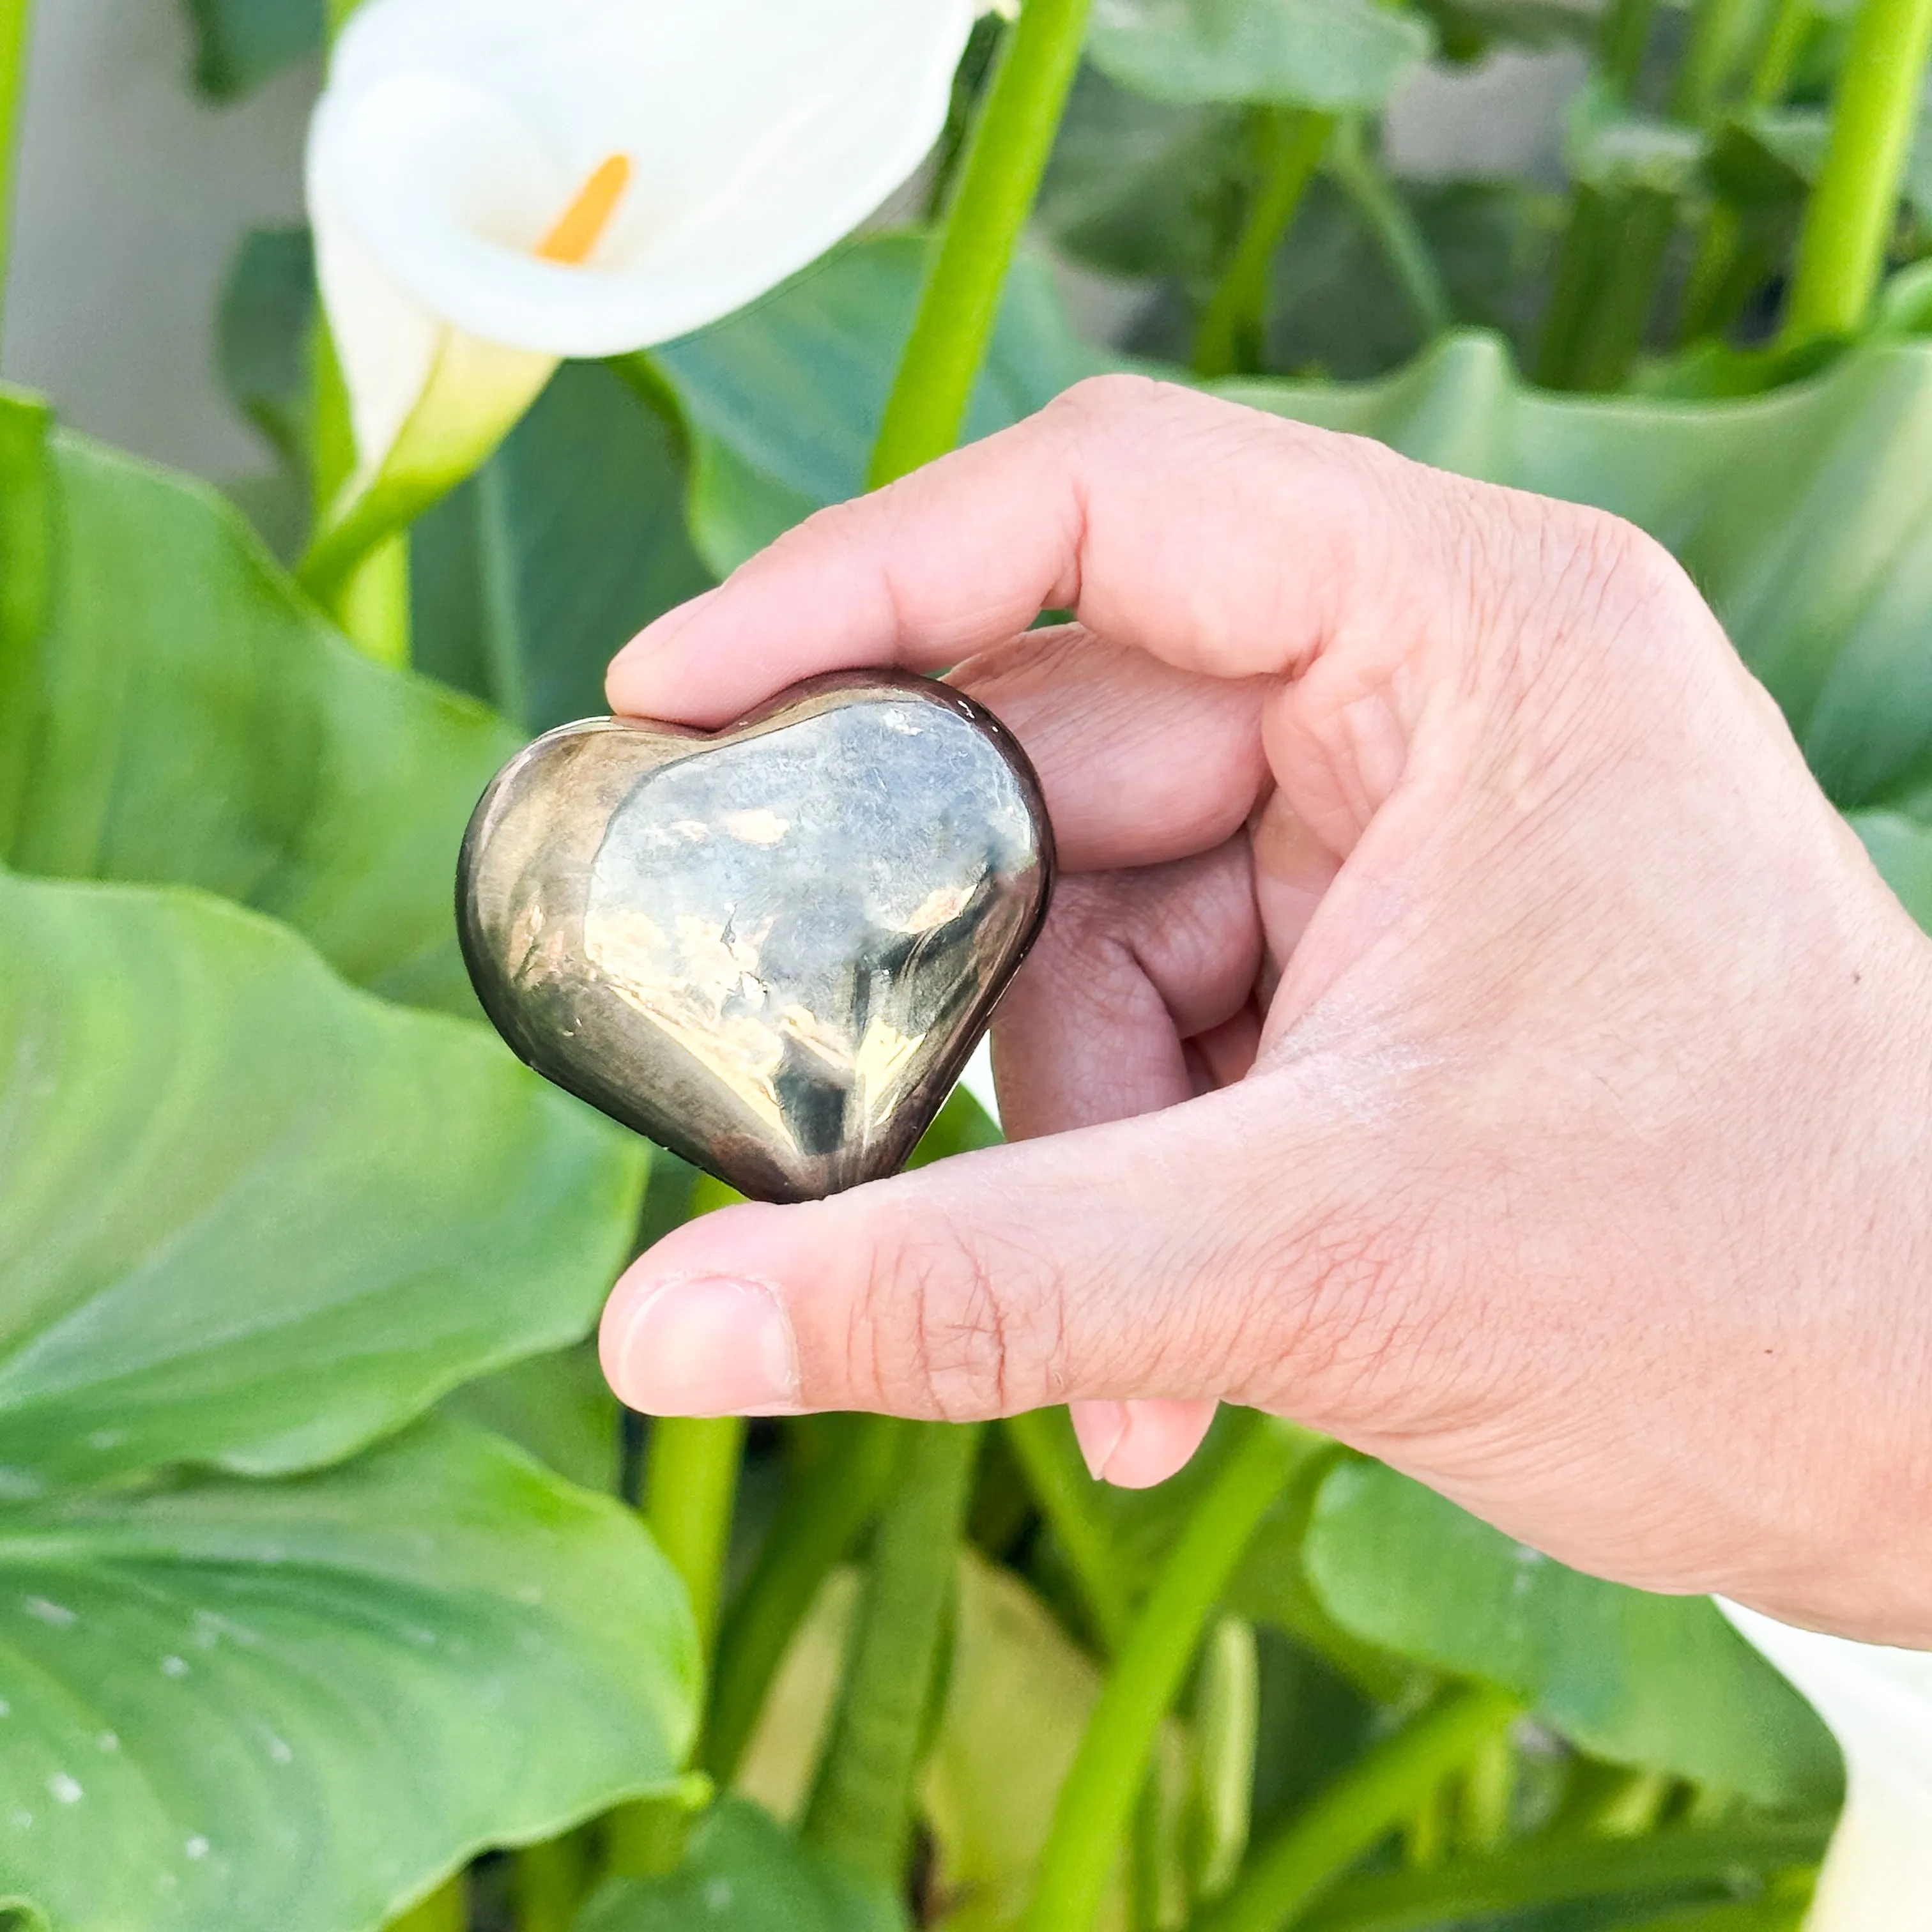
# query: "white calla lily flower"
495 184
1878 1702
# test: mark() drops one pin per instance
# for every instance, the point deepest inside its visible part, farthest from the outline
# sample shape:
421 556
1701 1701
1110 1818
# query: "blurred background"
135 193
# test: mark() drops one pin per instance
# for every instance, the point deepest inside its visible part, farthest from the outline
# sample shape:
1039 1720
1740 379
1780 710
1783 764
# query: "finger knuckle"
955 1329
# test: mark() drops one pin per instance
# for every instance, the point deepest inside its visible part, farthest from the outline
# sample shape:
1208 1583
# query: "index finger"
1220 539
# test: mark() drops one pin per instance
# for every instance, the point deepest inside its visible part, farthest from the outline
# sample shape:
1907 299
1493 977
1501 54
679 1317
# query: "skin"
1463 1025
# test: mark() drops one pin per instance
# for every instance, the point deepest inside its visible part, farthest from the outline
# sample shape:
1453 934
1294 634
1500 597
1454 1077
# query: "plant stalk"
1642 221
1359 1809
1586 255
1097 1802
1841 248
1720 32
1622 38
815 1530
16 40
1382 207
1229 336
1005 159
1778 57
691 1488
371 603
1562 1868
446 1910
547 1882
1043 1444
861 1807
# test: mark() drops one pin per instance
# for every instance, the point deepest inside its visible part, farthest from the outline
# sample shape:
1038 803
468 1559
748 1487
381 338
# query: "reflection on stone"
772 948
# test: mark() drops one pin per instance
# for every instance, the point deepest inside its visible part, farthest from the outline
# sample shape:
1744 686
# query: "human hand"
1462 1025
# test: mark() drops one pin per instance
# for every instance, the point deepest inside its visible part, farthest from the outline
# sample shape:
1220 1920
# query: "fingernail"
1098 1427
710 1347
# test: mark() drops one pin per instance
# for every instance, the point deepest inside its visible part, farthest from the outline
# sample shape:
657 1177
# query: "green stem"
1778 57
1841 249
815 1530
1229 336
861 1807
1641 223
1565 323
1586 255
691 1488
15 21
547 1882
1096 1804
997 182
1559 1869
371 602
1622 40
1488 1795
1721 31
1734 255
504 644
446 1910
1357 1810
1043 1444
1381 206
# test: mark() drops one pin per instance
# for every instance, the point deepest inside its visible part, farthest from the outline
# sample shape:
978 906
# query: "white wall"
132 196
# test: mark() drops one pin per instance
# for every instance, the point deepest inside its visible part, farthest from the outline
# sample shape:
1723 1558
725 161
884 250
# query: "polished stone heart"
771 948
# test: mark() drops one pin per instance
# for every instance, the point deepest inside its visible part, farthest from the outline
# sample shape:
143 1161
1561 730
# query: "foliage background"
296 1649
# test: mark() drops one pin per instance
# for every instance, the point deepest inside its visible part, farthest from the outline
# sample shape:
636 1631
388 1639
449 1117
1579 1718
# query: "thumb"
1162 1256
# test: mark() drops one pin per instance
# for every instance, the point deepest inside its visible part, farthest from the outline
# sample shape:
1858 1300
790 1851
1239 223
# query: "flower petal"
1878 1702
385 340
454 132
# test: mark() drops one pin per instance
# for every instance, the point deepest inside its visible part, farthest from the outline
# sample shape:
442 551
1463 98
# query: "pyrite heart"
772 947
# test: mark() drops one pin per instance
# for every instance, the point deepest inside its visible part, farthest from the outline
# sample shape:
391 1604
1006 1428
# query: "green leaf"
529 577
240 44
1468 29
175 712
1663 1682
1805 517
1018 1695
1138 187
556 1407
267 304
1901 849
1612 148
742 1872
1332 54
1337 306
301 1704
1776 154
249 1216
783 399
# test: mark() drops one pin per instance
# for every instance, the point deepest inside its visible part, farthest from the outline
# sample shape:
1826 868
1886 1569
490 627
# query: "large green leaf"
1661 1682
783 399
1805 515
1332 54
174 712
1137 187
251 1216
1901 848
556 1407
232 1706
571 537
743 1872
